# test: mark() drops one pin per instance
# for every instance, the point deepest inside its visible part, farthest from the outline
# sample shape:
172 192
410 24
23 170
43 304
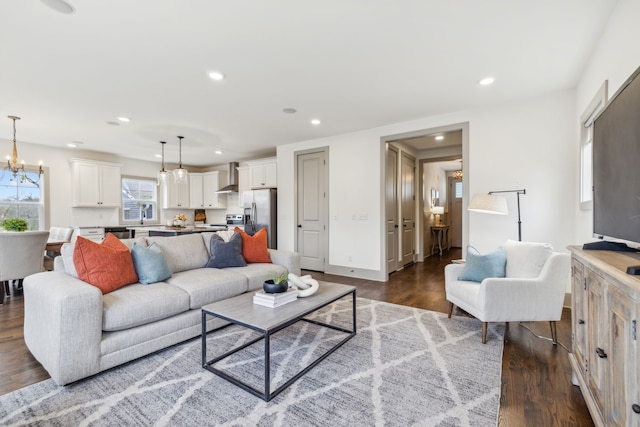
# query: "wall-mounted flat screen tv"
616 165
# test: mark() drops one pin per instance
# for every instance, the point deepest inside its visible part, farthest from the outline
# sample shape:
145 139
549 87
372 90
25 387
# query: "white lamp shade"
489 203
437 210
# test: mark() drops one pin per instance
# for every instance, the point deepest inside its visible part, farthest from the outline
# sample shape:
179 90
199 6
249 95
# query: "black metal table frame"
267 395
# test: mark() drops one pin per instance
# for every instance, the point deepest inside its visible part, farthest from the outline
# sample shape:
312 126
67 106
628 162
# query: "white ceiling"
353 64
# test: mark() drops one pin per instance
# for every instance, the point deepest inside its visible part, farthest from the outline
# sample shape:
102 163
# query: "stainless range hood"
233 180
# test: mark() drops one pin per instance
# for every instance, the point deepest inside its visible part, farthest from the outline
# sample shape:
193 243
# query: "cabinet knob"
636 408
580 322
601 354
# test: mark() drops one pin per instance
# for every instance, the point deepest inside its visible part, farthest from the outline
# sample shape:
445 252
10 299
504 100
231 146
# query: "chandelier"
180 175
12 161
457 174
162 175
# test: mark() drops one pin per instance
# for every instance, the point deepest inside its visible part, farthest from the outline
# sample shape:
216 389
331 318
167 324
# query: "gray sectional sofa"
75 331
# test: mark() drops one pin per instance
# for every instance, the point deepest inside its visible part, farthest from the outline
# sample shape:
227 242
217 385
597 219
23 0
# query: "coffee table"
241 310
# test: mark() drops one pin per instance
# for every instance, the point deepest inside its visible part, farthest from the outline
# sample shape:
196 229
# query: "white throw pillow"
526 259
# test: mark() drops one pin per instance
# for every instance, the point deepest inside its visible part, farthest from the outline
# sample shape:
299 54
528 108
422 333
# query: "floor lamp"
490 203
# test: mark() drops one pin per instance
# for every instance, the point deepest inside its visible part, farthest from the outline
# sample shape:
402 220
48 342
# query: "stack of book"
275 300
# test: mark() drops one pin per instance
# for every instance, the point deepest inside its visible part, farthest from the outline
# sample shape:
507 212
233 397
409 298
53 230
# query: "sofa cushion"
150 264
258 273
207 285
140 241
225 254
526 259
184 252
254 248
478 267
107 265
139 304
66 253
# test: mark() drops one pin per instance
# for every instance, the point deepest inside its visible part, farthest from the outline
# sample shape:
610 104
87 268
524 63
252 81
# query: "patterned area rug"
405 366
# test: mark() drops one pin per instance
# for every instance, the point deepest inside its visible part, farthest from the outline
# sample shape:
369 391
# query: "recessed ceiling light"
487 81
216 75
59 6
289 110
315 122
72 145
124 119
439 138
159 156
218 152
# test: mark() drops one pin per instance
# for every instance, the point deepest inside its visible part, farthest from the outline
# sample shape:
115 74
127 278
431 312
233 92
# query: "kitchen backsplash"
90 217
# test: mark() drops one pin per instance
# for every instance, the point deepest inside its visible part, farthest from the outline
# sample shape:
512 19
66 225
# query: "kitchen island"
162 230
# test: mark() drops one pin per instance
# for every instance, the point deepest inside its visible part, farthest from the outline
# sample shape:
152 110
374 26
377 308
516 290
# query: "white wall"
528 144
615 58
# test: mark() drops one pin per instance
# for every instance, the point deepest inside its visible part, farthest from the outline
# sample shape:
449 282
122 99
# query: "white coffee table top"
242 310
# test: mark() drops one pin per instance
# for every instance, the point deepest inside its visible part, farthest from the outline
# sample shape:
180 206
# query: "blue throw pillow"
226 254
150 264
478 267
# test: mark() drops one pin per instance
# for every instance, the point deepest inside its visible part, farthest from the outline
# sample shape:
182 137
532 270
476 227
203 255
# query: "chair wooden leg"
554 333
484 332
450 309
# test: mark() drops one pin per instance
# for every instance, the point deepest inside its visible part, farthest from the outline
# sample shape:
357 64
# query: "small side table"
439 234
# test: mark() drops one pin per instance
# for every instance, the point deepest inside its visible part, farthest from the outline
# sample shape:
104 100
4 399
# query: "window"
21 196
458 189
586 146
139 199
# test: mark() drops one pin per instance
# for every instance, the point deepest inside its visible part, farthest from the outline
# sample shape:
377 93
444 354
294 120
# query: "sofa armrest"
63 324
452 272
289 260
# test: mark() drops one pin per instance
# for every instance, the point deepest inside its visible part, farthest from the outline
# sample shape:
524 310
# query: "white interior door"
454 200
391 207
407 207
312 210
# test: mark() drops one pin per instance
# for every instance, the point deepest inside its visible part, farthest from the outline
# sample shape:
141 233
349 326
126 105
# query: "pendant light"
180 175
162 175
12 161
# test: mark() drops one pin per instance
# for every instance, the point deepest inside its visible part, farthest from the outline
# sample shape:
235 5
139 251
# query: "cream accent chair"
56 234
532 290
21 254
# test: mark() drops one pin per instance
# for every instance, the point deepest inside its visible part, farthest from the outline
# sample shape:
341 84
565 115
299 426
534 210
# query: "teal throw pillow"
226 254
150 264
478 267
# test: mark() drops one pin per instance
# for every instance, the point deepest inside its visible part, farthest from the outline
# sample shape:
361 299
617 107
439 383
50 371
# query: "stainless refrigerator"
260 210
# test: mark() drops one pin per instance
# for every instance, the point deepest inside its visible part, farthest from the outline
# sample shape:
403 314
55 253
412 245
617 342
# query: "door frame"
325 204
464 127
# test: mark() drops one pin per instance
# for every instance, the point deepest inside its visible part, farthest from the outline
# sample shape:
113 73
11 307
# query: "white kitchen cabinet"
175 196
244 183
203 189
263 173
96 184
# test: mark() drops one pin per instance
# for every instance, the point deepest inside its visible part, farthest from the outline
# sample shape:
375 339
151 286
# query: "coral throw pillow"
254 248
107 266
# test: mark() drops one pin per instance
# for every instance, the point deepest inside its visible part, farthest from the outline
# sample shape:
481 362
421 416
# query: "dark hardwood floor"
536 375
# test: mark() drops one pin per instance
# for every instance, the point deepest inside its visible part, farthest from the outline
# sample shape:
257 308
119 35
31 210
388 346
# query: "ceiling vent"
233 179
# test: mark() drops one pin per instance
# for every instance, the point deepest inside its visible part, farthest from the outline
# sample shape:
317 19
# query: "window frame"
155 203
596 105
41 204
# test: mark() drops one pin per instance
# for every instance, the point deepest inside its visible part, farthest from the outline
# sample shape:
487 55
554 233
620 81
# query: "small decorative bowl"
275 288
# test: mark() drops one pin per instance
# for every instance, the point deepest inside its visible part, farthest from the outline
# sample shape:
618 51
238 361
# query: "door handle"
636 408
395 226
299 225
580 322
601 354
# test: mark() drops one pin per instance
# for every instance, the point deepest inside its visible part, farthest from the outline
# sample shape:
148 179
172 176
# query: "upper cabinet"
175 196
203 187
263 173
95 184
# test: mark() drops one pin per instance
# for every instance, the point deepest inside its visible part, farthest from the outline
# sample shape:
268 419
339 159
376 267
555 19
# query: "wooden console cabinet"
606 355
